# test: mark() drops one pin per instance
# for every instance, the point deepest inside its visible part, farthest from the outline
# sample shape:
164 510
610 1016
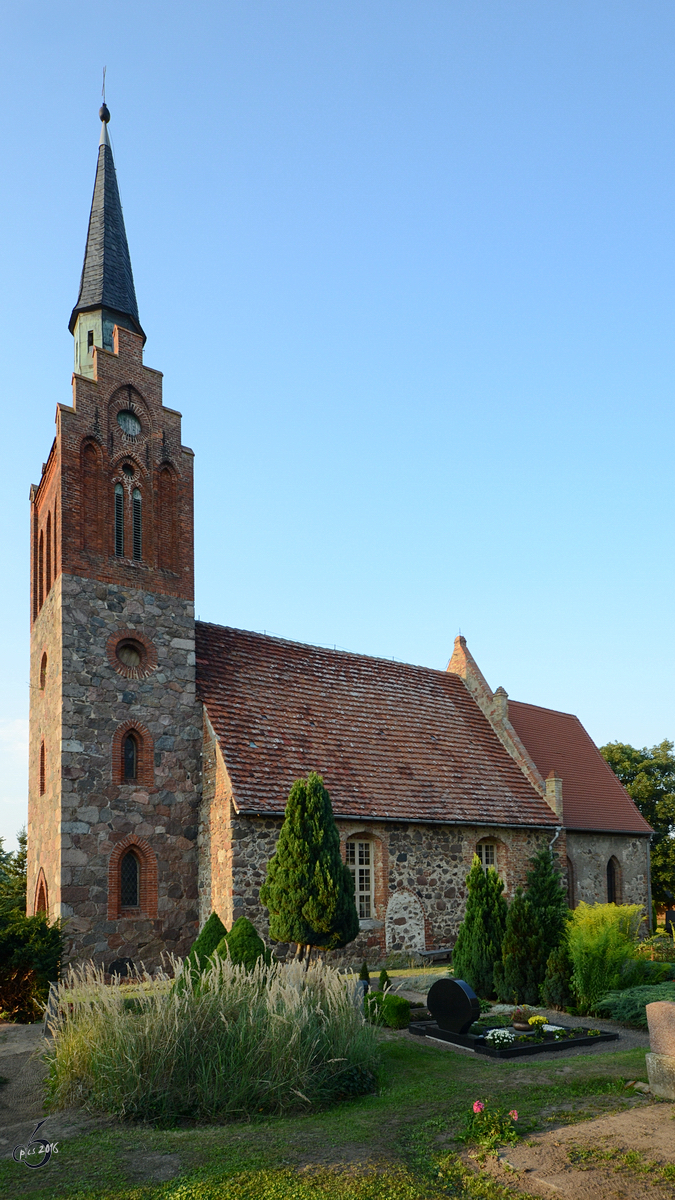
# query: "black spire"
107 281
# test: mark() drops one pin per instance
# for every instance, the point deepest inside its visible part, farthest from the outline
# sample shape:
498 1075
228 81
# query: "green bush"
203 946
629 1005
372 1007
364 973
517 975
396 1011
384 981
244 945
556 990
30 948
275 1039
602 941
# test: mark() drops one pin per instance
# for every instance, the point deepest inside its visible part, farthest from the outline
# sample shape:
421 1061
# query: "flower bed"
499 1042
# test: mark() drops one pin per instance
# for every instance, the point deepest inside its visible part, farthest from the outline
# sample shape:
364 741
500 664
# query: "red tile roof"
391 740
593 798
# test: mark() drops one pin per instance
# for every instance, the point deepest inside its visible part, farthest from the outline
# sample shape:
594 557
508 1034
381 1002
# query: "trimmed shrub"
629 1005
244 945
395 1011
384 981
547 894
203 946
479 940
277 1039
364 973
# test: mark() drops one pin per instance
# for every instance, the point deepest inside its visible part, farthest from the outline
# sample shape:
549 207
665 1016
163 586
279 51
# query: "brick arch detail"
41 887
147 860
145 774
149 662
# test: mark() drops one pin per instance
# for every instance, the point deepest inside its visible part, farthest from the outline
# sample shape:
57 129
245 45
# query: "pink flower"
514 1114
478 1106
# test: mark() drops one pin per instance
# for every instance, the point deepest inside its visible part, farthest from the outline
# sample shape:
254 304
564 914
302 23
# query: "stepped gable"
392 741
593 798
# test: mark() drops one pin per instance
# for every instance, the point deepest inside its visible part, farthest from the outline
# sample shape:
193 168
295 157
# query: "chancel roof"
392 741
593 798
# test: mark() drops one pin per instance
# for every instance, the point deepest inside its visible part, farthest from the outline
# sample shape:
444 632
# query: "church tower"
115 728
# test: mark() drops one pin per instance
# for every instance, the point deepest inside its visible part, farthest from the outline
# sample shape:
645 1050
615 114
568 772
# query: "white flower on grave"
500 1037
551 1028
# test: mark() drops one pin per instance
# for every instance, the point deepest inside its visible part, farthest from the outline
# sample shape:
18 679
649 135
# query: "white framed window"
487 853
360 863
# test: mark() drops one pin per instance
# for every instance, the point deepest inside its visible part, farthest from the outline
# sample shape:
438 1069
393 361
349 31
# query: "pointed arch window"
43 769
136 511
43 671
129 881
130 757
119 520
41 899
570 884
48 573
613 881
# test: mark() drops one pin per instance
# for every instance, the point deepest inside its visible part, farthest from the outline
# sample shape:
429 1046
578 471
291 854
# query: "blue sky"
409 271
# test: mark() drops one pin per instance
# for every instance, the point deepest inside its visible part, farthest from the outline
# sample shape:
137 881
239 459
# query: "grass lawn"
397 1145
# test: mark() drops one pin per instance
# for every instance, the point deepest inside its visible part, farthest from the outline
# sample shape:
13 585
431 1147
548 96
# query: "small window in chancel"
613 881
360 863
129 881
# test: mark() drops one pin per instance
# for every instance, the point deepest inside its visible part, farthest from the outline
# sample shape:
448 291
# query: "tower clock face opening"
129 422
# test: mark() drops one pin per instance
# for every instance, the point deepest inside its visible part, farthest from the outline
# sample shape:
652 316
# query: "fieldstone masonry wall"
589 854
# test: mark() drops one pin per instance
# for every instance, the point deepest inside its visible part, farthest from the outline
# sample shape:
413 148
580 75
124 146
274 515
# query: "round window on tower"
130 653
129 422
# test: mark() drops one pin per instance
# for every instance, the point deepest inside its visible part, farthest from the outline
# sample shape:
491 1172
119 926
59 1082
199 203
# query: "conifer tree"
548 897
523 962
308 890
479 940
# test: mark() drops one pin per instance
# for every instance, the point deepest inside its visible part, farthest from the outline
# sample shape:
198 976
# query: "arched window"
43 671
487 853
41 572
43 769
613 881
130 757
167 520
91 506
41 895
55 566
360 863
571 903
119 520
137 527
48 582
129 881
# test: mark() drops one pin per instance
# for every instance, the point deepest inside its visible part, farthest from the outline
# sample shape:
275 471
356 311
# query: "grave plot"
456 1014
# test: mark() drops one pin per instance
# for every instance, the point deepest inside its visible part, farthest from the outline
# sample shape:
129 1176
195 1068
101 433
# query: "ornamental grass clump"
275 1039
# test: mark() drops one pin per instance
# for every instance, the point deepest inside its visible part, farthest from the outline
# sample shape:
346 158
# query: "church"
162 749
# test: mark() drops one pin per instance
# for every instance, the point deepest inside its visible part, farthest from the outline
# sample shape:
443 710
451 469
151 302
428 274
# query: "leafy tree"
523 964
308 890
479 941
649 778
30 948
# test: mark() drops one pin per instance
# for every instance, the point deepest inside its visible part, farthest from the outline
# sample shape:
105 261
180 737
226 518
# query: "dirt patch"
619 1155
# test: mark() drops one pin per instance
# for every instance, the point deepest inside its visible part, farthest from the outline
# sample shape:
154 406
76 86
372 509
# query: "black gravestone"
670 920
122 967
453 1005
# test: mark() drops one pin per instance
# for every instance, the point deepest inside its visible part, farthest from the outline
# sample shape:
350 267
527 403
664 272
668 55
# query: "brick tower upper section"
119 473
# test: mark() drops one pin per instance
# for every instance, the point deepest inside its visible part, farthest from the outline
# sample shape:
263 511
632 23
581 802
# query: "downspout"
558 831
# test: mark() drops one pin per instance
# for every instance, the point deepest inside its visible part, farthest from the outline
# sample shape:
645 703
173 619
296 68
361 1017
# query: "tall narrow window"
570 884
359 861
41 901
130 757
91 483
119 520
138 531
54 562
487 853
43 671
613 881
129 888
48 582
41 571
43 769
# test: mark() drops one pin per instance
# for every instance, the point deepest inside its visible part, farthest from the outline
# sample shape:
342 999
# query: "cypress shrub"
244 945
384 981
202 948
480 936
548 896
522 967
556 990
308 890
364 973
